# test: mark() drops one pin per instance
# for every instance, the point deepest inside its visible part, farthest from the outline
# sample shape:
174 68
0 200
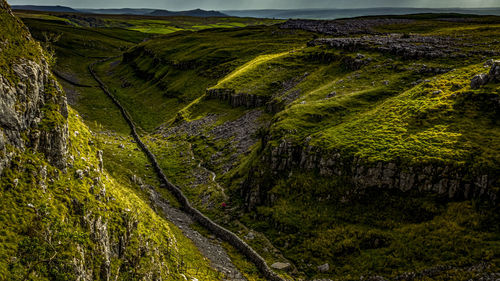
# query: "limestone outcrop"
448 181
492 77
33 109
237 99
340 27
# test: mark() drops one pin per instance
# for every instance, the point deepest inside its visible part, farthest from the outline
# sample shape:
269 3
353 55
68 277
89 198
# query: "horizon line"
266 9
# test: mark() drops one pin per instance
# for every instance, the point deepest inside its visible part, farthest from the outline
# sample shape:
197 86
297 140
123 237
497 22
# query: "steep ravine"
216 229
62 215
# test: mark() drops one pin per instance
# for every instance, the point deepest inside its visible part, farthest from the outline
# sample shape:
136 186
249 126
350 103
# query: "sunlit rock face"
33 108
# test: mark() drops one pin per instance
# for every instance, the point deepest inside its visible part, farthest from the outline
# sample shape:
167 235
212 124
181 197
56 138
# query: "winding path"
196 215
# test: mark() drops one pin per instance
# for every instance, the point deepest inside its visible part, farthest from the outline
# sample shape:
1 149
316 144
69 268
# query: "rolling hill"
190 13
349 13
45 8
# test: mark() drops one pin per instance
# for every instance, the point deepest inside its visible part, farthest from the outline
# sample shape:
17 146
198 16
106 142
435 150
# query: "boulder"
250 236
324 267
100 159
331 95
489 63
479 80
281 266
483 79
495 71
79 174
21 112
137 180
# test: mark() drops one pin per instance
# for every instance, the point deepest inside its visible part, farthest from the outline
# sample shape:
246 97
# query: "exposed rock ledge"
449 181
340 27
237 99
492 77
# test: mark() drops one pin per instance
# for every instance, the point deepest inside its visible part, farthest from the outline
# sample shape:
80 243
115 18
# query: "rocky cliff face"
237 99
33 108
447 181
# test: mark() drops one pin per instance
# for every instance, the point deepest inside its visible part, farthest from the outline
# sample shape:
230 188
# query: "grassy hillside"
76 48
153 25
14 44
79 222
380 108
167 74
52 221
368 104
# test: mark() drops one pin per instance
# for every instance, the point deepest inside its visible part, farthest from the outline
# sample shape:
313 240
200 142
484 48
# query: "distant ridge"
350 13
124 11
190 13
62 9
269 13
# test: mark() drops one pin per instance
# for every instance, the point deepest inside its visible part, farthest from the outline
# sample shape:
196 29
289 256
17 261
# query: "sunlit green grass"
166 88
151 24
157 29
249 66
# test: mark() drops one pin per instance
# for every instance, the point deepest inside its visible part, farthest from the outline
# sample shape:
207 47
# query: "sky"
260 4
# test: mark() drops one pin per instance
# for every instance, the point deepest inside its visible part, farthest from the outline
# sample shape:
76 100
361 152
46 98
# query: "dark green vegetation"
147 24
268 160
